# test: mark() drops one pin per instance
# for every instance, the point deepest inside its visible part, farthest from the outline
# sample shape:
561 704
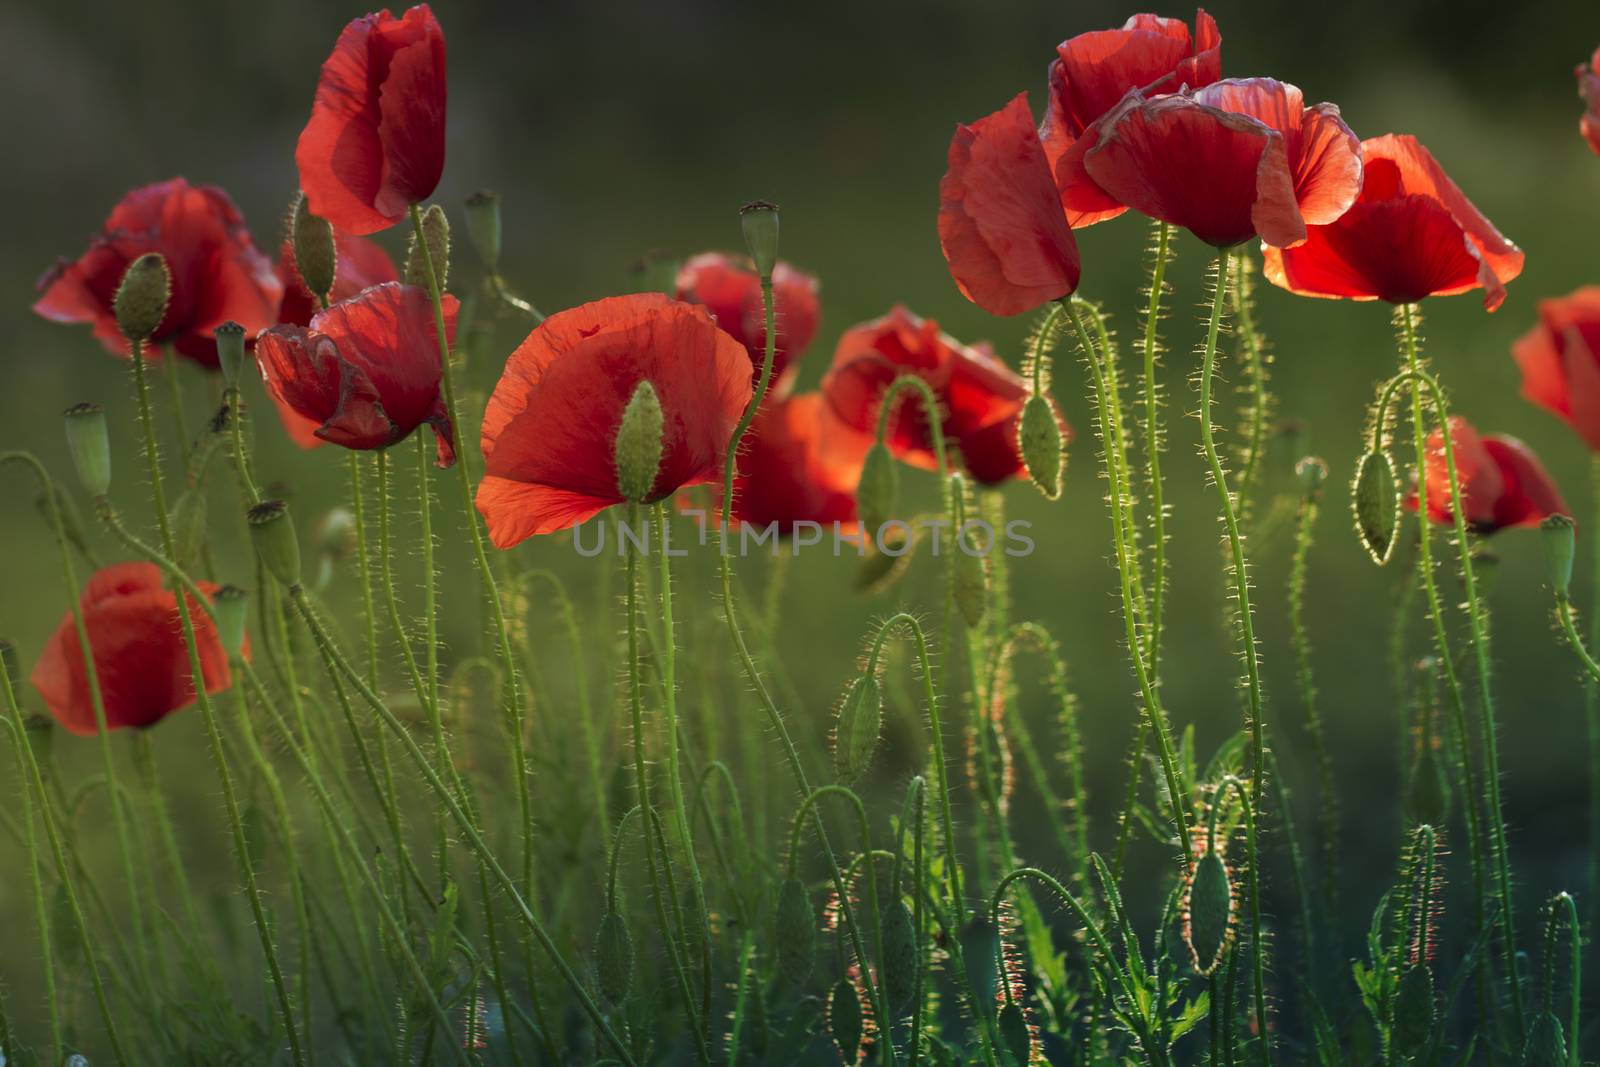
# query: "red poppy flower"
375 142
1000 221
1502 481
1412 233
140 654
730 289
1089 77
1560 361
366 370
982 398
798 463
1589 92
549 433
218 274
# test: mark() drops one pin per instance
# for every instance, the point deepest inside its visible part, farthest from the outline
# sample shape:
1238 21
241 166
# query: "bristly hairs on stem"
1254 355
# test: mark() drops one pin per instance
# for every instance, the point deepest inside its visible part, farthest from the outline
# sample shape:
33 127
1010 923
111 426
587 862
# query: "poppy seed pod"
315 256
483 226
229 608
142 297
1376 502
272 533
855 735
1042 445
759 222
90 445
436 231
878 491
638 444
230 352
1560 544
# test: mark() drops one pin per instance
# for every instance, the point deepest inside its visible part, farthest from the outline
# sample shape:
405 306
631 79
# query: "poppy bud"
757 1029
878 490
1040 441
845 1019
1560 536
335 534
1376 500
188 518
1210 912
315 255
971 579
230 605
483 226
90 446
230 352
272 532
856 733
759 221
1311 472
638 446
436 231
141 300
1014 1034
900 956
980 954
613 954
1546 1045
796 932
1413 1012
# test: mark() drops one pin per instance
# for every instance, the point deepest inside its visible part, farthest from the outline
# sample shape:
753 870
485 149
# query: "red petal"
359 264
1589 92
798 464
411 102
730 289
1529 495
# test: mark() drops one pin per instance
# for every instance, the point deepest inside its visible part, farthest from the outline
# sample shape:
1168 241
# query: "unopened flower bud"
230 352
316 257
759 221
1210 912
613 954
90 445
272 533
1560 545
878 491
1311 472
436 231
141 300
980 955
1376 500
638 447
230 606
855 735
901 954
483 227
1042 445
845 1019
795 927
1015 1035
1414 1012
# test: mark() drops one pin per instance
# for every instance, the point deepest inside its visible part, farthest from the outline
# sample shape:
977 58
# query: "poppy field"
635 617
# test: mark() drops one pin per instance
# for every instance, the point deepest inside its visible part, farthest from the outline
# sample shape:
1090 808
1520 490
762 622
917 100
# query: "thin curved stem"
1154 433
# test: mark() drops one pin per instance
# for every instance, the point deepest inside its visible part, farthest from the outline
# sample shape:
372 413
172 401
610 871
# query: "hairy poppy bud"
141 300
230 352
613 954
878 490
971 578
1546 1045
483 226
796 932
1040 441
1560 537
759 221
845 1019
315 256
855 735
980 954
1210 912
230 606
1311 472
901 959
758 1030
1376 500
90 446
1413 1012
1014 1034
436 231
188 519
272 532
638 446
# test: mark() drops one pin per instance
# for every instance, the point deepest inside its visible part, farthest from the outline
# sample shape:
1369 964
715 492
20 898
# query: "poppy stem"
1254 360
1300 639
430 628
1155 434
1591 707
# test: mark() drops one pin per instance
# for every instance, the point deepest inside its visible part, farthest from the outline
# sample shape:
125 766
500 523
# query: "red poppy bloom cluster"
140 656
1502 482
1589 91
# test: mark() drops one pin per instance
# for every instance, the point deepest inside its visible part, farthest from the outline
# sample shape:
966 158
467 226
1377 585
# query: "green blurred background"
613 129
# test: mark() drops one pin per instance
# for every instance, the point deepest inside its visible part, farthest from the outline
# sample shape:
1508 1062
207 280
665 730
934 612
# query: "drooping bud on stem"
969 560
1376 501
1014 1033
759 221
855 735
315 256
272 533
230 352
878 491
90 445
436 231
141 300
795 928
639 443
980 956
613 955
901 955
230 606
1560 545
846 1021
483 227
1042 445
1210 912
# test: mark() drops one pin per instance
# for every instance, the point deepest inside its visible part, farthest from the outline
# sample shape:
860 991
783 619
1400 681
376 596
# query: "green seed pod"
436 231
971 580
796 932
1042 445
483 227
613 955
1413 1012
142 297
878 492
230 607
1560 545
272 533
188 518
902 956
860 721
1311 472
1014 1034
316 257
90 445
638 445
1546 1045
230 352
845 1020
1376 499
980 954
1210 912
759 221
